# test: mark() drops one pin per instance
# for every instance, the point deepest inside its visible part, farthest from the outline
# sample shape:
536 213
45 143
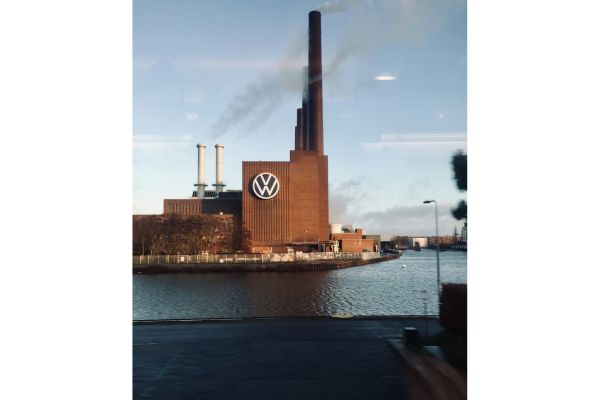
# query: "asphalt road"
270 359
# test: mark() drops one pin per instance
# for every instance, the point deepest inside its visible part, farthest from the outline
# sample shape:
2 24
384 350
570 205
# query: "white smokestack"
219 185
201 185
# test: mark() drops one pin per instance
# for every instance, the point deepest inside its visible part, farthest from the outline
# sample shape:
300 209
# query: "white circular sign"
265 185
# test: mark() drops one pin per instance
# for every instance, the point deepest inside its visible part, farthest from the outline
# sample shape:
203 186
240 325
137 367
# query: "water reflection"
391 288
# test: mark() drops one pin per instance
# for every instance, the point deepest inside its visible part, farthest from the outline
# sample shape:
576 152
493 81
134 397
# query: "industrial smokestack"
304 132
315 83
219 185
299 145
201 184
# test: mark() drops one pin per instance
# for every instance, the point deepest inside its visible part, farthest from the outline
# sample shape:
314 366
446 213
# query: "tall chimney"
201 184
304 132
219 185
315 83
299 129
297 139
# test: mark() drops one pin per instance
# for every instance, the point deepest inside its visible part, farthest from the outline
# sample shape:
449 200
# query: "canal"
405 286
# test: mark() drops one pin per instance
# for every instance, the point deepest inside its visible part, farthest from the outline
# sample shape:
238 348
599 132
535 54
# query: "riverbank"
163 268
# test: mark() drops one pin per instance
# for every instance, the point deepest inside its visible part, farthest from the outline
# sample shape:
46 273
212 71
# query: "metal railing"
250 258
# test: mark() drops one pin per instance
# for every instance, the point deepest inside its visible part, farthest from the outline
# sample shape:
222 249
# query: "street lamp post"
437 249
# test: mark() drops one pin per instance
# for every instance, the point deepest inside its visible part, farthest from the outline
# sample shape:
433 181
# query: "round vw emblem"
265 185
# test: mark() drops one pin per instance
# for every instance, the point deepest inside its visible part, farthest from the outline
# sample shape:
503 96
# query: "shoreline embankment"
257 267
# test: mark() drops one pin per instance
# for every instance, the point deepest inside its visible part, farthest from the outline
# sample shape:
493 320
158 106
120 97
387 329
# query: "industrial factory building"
282 204
205 201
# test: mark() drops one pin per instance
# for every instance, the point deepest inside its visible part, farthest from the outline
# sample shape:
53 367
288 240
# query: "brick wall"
267 221
299 212
202 206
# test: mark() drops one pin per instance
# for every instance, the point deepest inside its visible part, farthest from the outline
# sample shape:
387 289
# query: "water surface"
405 286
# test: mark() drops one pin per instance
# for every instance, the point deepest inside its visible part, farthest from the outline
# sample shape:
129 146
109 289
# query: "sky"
229 72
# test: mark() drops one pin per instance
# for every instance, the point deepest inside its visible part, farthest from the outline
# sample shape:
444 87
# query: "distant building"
422 241
400 242
228 202
463 232
354 241
388 243
376 241
445 241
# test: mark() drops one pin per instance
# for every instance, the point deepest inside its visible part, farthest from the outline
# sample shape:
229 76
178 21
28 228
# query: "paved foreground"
271 359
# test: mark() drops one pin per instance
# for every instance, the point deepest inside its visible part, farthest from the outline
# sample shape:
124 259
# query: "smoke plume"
371 24
376 23
336 6
259 100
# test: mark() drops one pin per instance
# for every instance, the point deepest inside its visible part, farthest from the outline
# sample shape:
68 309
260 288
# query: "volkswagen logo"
265 185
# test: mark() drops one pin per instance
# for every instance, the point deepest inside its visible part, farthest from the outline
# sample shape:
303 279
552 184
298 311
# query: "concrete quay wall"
270 267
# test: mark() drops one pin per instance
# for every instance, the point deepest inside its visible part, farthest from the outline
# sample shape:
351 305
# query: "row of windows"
184 208
191 209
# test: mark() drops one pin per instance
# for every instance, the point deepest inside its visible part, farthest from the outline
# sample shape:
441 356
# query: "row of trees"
185 234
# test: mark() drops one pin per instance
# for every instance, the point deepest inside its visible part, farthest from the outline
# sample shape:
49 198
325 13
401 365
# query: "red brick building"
286 203
298 213
195 206
353 241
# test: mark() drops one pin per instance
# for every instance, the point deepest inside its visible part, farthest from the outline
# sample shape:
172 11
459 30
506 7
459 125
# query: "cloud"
419 141
343 197
424 137
347 199
409 220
